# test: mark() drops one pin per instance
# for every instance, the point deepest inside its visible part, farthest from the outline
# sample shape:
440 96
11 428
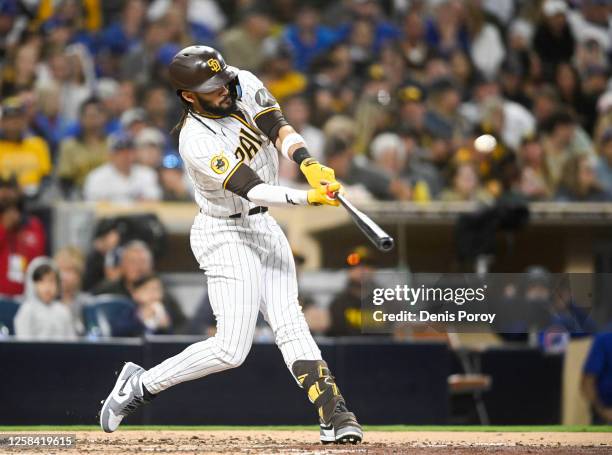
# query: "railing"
74 222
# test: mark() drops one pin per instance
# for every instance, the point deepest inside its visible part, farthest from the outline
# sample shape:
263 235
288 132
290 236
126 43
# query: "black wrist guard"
300 155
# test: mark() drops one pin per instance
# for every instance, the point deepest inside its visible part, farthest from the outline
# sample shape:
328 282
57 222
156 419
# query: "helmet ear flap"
234 88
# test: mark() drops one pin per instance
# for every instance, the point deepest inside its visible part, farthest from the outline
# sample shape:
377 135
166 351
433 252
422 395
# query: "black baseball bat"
380 239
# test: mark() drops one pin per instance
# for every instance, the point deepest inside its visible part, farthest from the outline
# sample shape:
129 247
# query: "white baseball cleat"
125 398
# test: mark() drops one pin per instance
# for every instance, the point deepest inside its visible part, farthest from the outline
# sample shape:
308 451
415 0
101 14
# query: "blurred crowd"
390 93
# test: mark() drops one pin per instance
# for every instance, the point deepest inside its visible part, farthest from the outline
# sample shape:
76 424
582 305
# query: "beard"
223 110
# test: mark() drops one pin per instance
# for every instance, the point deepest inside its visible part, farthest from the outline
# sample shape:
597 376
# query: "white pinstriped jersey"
212 147
247 260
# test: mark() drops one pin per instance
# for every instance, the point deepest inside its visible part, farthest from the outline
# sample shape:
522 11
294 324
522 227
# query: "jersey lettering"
249 145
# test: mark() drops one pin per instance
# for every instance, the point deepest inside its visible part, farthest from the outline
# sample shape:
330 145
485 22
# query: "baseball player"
230 134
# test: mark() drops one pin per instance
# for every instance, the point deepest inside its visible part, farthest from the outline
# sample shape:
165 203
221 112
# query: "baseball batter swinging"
230 134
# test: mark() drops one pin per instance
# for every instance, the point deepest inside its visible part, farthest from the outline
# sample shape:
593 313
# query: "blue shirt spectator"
120 36
308 38
597 379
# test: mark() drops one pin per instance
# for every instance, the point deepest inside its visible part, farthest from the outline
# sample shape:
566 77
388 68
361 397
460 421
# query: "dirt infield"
306 442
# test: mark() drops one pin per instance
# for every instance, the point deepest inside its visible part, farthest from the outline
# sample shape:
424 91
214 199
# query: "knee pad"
314 377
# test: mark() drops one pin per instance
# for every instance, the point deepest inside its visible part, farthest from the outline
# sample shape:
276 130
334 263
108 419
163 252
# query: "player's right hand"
316 173
325 194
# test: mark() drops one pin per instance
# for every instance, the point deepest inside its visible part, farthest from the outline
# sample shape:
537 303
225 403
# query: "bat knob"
386 244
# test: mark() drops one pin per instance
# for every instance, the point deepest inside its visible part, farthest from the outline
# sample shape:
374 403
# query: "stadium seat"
8 310
111 315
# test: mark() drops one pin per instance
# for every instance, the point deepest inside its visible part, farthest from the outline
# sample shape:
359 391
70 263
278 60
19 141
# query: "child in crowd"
147 292
41 315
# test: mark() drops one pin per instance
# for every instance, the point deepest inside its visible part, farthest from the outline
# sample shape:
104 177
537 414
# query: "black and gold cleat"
338 424
342 428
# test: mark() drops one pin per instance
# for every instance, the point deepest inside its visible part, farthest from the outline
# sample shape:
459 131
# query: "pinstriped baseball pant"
250 268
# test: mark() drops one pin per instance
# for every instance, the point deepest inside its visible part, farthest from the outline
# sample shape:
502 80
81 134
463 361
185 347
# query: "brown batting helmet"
200 69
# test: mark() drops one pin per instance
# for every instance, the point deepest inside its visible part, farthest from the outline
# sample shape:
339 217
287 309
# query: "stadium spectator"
361 45
79 155
537 298
71 21
562 140
242 44
359 171
133 121
512 77
465 185
70 265
150 144
124 34
139 62
383 30
22 154
463 73
545 104
297 113
590 22
278 73
203 13
345 308
567 82
418 169
594 84
487 49
183 29
19 74
174 183
554 40
22 238
590 54
551 307
412 111
100 264
42 316
389 154
603 168
566 311
412 45
147 292
158 107
533 183
72 70
136 261
443 119
446 29
509 121
597 378
121 179
579 182
332 90
48 122
308 38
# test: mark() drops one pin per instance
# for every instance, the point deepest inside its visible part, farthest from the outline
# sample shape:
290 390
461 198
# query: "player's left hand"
325 194
316 173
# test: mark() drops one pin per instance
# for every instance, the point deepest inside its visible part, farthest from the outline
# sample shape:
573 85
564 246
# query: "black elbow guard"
270 121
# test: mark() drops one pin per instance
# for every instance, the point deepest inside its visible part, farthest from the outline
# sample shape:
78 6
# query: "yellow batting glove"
325 195
316 173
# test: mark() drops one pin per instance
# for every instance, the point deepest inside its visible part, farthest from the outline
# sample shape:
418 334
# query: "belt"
253 211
